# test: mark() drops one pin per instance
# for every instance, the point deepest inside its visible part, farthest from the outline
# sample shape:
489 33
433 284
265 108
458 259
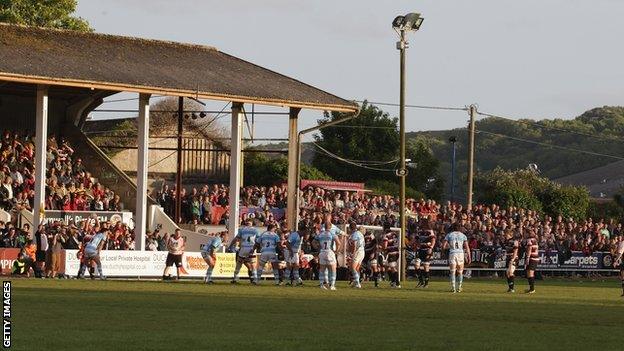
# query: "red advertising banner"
7 257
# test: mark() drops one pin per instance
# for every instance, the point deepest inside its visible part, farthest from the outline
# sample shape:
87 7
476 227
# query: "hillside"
606 123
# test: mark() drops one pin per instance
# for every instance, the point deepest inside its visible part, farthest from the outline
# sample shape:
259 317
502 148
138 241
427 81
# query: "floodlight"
411 21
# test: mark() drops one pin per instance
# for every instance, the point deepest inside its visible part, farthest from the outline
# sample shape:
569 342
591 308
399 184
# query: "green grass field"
128 315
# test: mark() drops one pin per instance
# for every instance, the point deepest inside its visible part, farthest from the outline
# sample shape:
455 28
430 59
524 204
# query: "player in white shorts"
328 242
246 238
267 245
292 254
208 252
356 253
457 242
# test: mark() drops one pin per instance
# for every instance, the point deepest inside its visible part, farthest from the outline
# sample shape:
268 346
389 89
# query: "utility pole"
453 141
471 152
178 204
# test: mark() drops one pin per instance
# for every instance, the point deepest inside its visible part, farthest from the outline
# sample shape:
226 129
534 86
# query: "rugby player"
267 243
327 256
246 239
208 253
175 246
457 243
619 259
391 251
426 242
93 248
511 250
356 253
531 260
292 253
371 256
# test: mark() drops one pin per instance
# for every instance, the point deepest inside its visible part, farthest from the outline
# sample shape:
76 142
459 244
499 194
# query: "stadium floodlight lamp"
202 114
410 22
194 115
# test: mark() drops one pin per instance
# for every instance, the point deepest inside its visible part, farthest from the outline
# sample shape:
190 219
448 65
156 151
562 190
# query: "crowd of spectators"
201 205
42 251
485 225
69 186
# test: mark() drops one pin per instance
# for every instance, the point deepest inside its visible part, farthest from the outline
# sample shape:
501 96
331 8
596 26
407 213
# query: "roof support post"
41 138
235 168
292 205
140 222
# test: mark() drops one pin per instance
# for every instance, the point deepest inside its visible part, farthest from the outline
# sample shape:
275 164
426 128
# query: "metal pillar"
140 222
178 203
293 166
235 167
471 152
41 139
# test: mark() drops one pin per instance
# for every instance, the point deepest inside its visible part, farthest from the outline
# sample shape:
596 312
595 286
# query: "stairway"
101 167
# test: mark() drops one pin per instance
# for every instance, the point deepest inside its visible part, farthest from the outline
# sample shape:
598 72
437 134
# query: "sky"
523 59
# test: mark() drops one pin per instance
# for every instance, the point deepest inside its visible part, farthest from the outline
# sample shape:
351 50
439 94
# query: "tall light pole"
402 24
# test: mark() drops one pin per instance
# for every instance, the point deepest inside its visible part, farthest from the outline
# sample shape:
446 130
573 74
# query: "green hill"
600 130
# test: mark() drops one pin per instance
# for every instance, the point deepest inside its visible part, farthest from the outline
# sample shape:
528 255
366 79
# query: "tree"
372 136
372 140
527 189
43 13
424 176
262 170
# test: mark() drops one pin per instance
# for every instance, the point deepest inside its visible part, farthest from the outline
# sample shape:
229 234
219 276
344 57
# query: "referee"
175 246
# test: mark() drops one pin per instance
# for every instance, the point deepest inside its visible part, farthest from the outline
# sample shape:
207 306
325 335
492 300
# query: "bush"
527 189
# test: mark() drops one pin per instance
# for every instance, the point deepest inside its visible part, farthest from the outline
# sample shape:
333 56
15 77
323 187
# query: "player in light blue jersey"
246 239
356 254
267 243
208 252
328 242
457 243
291 255
93 248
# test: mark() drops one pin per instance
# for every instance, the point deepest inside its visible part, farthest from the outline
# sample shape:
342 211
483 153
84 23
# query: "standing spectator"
41 241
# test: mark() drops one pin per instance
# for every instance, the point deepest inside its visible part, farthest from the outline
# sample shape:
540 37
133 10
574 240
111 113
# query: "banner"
76 217
152 264
549 260
7 257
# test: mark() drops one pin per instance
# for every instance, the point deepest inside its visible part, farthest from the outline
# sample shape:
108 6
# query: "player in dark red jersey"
425 242
531 259
511 251
391 250
371 256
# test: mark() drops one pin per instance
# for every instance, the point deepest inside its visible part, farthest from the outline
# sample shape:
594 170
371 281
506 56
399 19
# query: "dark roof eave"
120 87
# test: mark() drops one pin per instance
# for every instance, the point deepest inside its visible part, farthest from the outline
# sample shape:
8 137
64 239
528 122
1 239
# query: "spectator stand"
69 73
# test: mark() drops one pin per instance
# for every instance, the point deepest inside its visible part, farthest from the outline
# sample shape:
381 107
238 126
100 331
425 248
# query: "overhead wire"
549 145
339 158
539 125
424 107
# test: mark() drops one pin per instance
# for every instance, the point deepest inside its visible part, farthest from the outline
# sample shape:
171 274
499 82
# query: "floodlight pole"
402 45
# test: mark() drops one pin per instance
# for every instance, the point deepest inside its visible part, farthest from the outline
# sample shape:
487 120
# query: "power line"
424 107
332 155
550 145
537 124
